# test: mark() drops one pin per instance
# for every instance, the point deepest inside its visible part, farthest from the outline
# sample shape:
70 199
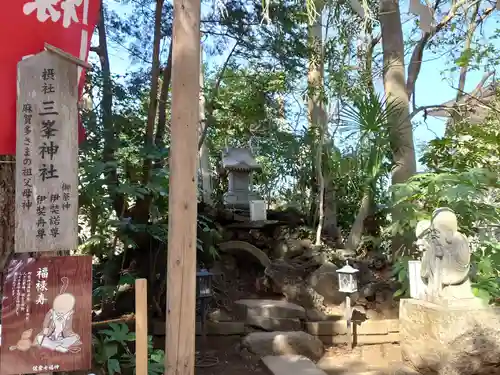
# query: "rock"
370 359
374 315
324 281
291 247
291 365
476 352
450 340
219 315
283 343
290 279
274 324
268 308
314 315
235 247
345 364
345 254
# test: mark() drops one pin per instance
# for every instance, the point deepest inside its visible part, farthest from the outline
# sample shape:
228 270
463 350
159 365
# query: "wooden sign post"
46 308
46 154
181 269
141 327
47 315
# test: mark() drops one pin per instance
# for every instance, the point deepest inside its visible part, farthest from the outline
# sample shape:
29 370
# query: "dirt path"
230 361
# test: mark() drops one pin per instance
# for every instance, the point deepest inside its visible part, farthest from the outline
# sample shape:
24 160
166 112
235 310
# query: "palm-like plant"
369 116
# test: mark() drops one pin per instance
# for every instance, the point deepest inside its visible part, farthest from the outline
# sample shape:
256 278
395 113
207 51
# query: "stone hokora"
239 163
57 332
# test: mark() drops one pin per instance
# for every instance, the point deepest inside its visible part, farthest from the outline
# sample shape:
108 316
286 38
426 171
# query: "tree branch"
416 58
141 211
468 42
162 107
210 121
110 136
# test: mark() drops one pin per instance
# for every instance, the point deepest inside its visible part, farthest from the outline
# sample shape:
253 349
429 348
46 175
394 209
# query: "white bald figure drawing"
57 332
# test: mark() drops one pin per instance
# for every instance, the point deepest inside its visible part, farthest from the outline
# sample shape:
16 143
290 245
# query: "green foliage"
400 273
464 177
256 99
112 351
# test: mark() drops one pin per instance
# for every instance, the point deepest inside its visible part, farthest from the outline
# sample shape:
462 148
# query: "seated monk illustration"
57 332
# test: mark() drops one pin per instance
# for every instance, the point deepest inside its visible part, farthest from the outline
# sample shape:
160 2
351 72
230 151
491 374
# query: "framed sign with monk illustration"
46 315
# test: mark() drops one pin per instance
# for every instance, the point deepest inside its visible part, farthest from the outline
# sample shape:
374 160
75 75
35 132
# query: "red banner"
26 26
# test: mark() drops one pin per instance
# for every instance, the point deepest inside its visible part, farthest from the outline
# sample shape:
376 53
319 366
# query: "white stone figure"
446 259
57 332
421 231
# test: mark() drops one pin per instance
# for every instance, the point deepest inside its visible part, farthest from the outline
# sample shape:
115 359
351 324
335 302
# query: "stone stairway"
300 365
286 349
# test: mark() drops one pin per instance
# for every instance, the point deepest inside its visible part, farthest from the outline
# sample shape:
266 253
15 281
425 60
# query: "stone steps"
291 365
300 365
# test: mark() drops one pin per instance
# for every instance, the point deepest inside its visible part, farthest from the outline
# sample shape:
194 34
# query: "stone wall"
364 332
329 332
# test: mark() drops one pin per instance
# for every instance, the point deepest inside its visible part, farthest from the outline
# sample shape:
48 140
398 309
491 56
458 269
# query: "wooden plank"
35 292
141 327
181 280
47 154
67 56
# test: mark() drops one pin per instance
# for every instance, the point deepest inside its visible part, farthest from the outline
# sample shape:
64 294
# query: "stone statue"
445 260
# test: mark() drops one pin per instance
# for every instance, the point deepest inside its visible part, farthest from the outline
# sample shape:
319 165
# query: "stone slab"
339 327
283 343
392 337
269 309
432 336
291 365
274 324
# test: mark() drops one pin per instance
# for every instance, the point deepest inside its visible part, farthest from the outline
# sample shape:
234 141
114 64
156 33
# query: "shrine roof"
239 159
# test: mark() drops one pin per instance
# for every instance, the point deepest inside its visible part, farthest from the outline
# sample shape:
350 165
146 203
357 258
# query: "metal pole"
348 316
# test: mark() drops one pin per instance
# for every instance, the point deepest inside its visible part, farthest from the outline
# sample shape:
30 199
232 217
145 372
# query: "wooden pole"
181 270
141 327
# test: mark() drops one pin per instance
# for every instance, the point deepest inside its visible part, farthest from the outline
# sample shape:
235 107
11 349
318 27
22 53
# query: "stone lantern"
239 163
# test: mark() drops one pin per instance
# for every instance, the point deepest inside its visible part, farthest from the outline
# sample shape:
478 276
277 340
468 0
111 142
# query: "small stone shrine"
239 163
440 331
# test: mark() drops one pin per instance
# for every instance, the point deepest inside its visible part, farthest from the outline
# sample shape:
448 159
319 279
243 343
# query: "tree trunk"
203 153
110 134
162 107
330 222
357 229
457 114
317 117
7 208
395 90
142 207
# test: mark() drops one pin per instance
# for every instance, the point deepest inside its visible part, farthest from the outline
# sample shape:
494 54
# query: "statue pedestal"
440 339
239 199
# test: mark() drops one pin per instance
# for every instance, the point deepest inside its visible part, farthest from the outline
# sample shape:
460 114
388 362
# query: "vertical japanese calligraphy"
65 24
46 180
46 315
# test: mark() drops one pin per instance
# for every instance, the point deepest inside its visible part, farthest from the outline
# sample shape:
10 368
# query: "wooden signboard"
46 315
46 154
